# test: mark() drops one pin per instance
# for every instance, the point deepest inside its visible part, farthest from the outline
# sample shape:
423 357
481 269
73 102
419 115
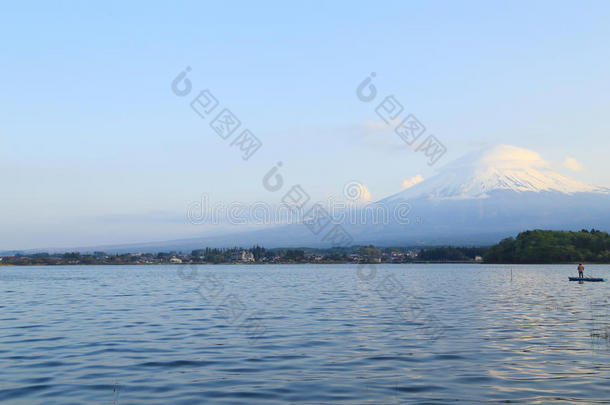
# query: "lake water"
308 334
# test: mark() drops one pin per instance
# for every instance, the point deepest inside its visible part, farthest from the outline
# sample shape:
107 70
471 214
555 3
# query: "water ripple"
143 335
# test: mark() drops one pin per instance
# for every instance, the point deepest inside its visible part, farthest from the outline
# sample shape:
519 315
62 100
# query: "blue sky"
91 130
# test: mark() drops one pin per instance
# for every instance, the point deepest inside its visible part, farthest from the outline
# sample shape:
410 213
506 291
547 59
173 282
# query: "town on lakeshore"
529 247
256 254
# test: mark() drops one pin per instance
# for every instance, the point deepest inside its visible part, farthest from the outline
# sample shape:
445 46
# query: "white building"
242 256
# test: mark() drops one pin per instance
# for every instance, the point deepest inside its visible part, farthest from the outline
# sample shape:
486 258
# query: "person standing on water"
581 270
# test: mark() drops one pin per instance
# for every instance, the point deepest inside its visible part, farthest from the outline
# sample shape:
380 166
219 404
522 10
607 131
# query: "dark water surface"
433 334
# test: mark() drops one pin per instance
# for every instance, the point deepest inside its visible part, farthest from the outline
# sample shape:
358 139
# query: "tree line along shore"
529 247
255 255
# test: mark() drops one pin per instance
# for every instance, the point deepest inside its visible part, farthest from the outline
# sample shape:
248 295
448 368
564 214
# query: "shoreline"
304 263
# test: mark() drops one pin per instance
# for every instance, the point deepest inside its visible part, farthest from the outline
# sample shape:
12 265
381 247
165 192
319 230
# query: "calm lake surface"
325 334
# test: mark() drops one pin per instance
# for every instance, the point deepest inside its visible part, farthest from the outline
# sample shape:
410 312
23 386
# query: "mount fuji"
500 168
491 194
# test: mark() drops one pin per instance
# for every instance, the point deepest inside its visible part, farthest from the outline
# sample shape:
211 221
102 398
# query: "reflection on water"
145 335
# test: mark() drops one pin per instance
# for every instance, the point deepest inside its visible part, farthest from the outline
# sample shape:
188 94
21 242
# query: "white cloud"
406 183
572 164
373 135
356 193
364 193
512 157
374 126
378 126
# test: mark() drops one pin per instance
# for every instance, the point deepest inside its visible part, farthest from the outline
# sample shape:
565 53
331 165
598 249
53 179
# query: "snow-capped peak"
502 167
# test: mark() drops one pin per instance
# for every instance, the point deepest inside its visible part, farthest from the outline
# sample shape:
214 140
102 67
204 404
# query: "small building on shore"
242 256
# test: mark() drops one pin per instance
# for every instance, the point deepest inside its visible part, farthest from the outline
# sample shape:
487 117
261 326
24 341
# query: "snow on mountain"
502 167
